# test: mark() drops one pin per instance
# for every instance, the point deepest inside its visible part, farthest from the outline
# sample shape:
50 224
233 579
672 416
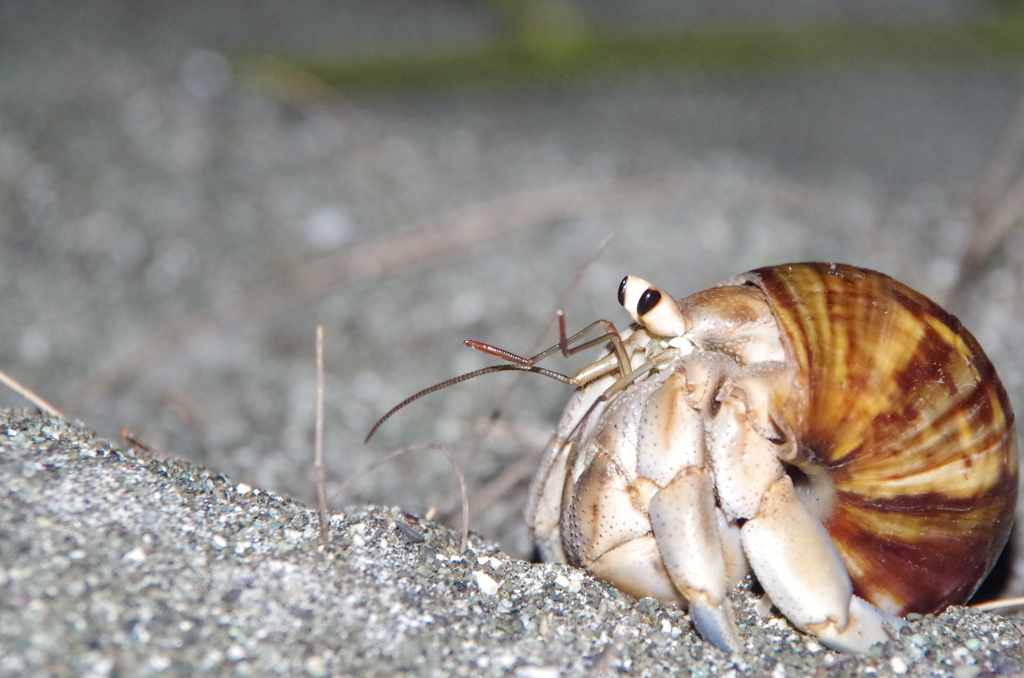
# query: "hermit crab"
821 425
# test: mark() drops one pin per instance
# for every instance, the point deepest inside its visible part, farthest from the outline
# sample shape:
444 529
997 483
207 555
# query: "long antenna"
463 377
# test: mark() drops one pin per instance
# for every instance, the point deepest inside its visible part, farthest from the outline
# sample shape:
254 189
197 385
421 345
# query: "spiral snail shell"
899 405
836 430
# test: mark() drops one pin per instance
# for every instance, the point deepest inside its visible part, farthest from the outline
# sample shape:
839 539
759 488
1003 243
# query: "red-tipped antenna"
523 364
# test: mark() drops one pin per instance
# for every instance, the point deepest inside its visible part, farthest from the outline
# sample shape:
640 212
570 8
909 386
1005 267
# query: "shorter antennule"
499 352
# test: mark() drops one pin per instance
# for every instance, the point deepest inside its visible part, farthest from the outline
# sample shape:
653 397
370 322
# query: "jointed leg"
565 345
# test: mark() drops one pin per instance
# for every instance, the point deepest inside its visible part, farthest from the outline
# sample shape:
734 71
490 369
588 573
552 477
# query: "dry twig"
1001 604
998 208
29 395
318 445
343 485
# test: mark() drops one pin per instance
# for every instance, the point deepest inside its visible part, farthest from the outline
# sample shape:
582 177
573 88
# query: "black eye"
622 291
648 300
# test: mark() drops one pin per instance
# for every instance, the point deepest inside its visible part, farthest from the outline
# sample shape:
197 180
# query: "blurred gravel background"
174 223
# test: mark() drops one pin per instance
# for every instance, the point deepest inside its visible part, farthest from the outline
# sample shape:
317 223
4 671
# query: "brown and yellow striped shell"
898 404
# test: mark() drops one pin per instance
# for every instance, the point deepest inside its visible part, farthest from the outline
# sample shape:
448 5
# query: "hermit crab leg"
683 515
618 359
685 524
565 345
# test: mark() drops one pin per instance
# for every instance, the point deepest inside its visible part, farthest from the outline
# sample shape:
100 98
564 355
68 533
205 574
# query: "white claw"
715 624
865 628
795 560
685 523
799 567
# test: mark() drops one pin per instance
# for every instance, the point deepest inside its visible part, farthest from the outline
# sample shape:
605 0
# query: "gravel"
118 565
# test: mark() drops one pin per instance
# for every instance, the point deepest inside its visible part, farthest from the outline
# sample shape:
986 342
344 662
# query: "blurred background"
188 189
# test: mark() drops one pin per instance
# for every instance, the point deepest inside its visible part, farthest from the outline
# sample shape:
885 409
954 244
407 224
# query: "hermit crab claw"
866 627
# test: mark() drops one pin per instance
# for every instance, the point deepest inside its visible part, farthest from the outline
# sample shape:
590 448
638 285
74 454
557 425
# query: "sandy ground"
116 565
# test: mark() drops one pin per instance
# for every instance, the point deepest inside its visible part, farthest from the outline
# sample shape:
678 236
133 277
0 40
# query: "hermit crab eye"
648 300
651 307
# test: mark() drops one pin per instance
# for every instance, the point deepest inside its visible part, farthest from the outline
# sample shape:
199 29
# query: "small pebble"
315 666
487 585
538 672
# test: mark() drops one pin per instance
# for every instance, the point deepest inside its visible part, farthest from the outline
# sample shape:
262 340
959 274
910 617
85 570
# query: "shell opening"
815 490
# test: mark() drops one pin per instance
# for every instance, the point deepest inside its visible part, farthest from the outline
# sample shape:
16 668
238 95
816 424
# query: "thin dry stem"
511 477
1001 604
998 208
532 440
321 484
343 485
1004 164
29 395
148 450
